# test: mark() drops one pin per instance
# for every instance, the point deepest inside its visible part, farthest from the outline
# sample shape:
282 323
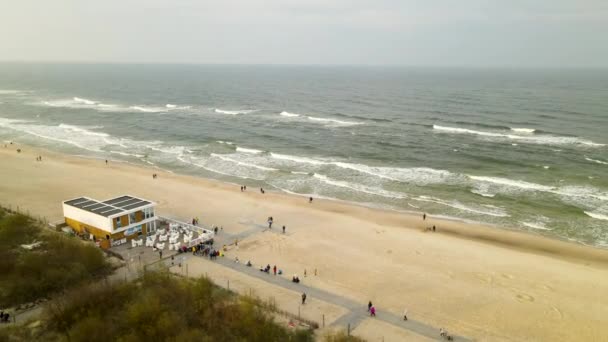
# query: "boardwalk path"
357 312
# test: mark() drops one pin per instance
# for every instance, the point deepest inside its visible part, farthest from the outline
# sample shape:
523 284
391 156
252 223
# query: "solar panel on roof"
84 204
117 199
127 203
96 206
76 200
135 205
111 212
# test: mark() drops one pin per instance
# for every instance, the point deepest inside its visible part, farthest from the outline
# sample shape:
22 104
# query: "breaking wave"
531 139
596 161
234 112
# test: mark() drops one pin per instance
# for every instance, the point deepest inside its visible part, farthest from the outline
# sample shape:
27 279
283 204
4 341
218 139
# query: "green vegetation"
157 307
54 262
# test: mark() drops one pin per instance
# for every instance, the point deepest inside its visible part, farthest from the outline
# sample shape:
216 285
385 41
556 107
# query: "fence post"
323 320
228 284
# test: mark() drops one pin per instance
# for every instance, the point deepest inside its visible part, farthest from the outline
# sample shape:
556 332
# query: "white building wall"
88 218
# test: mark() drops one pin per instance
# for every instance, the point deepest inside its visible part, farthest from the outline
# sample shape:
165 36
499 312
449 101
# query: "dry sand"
481 282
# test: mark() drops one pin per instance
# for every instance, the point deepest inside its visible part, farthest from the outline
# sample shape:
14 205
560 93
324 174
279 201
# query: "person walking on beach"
405 314
433 227
241 188
274 269
106 162
424 217
369 306
303 298
372 311
160 254
270 222
283 229
310 200
305 272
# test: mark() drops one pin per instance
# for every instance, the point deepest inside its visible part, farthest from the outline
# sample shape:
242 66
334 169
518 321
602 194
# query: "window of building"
148 212
132 218
117 222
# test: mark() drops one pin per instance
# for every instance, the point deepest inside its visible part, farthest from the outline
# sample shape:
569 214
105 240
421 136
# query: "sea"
518 149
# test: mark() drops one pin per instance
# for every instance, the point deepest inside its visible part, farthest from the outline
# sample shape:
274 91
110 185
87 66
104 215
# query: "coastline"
472 279
458 227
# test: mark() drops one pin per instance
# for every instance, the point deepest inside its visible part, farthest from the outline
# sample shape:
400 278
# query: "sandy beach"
484 283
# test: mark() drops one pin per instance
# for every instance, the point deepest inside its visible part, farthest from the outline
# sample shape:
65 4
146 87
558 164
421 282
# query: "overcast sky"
511 33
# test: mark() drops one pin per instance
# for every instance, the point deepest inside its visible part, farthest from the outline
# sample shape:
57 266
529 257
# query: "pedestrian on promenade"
304 298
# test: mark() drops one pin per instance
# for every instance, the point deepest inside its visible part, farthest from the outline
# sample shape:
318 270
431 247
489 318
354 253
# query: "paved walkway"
357 311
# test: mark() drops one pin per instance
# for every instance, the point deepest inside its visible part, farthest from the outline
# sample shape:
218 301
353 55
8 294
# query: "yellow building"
112 221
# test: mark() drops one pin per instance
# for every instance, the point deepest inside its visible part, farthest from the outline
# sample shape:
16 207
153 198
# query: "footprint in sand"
557 312
508 276
522 297
547 287
486 278
388 251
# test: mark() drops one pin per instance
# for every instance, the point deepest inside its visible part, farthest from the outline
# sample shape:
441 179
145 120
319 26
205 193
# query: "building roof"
109 207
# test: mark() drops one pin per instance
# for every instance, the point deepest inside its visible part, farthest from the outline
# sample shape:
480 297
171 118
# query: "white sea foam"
531 139
248 150
499 212
333 121
359 187
228 159
146 109
234 112
536 225
523 130
596 215
128 154
289 115
84 101
416 175
82 130
512 183
12 91
297 159
596 161
483 192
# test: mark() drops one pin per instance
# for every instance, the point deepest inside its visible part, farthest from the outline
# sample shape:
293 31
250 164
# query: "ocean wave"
325 121
359 187
128 154
535 225
172 106
82 130
12 91
523 130
83 103
596 161
259 167
512 183
498 212
225 142
415 175
333 121
531 139
234 112
248 150
598 216
148 109
297 159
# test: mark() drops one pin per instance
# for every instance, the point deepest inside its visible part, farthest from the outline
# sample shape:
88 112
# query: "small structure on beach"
113 221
